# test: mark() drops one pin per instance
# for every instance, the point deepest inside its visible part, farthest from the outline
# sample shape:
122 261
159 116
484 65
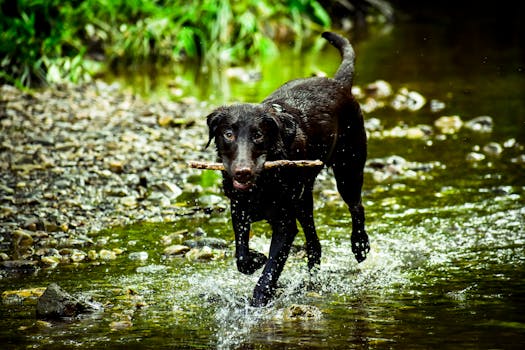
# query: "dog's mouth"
242 186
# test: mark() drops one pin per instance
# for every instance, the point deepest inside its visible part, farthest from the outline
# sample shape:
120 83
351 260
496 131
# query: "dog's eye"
258 136
228 135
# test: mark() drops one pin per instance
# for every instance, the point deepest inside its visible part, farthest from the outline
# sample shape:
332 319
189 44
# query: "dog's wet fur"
313 118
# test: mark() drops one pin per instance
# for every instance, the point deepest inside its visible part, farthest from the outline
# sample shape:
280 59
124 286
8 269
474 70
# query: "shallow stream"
447 262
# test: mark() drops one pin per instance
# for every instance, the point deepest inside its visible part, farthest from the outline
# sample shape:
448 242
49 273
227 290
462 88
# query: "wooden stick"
267 165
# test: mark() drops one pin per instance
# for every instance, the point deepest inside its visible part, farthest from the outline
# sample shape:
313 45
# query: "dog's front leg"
283 235
248 260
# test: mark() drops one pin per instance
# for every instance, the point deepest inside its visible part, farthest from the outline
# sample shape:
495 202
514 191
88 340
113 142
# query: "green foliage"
56 40
210 178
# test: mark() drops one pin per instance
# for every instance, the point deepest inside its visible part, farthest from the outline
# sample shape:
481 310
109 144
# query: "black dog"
314 118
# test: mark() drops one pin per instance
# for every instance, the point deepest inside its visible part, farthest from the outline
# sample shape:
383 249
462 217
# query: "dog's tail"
345 73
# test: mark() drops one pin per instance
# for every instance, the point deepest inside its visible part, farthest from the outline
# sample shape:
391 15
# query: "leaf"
320 14
209 178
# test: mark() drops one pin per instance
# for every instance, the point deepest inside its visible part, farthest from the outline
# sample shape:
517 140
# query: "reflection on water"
448 250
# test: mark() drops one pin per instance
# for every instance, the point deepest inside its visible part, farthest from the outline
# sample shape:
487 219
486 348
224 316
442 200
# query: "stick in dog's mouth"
284 163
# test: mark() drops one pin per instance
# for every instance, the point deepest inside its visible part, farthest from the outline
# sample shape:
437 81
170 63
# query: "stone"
107 255
493 149
297 312
379 89
138 256
57 303
480 124
449 124
176 249
211 242
475 157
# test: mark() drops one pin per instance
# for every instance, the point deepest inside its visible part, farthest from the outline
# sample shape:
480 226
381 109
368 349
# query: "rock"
436 105
480 124
21 239
116 166
92 255
519 159
19 265
475 157
51 261
211 242
379 89
298 312
449 124
151 269
165 120
176 249
373 124
107 255
173 237
57 303
510 143
171 190
406 99
140 256
119 325
493 149
204 253
10 297
418 132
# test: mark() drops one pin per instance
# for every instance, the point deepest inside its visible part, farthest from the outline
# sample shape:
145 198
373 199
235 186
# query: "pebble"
493 149
176 249
105 254
138 256
204 253
379 89
297 312
408 100
475 157
211 242
449 124
480 124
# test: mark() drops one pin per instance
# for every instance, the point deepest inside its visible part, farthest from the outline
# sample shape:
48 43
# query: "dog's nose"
243 174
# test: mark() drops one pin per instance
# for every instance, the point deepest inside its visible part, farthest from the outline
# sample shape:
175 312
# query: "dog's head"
246 136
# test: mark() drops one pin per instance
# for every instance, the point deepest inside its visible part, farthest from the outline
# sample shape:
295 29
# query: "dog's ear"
213 120
285 122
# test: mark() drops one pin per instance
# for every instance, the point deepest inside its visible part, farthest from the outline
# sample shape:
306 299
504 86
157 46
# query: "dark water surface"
447 267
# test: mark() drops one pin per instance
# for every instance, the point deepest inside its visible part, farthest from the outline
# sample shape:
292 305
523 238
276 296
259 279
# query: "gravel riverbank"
74 160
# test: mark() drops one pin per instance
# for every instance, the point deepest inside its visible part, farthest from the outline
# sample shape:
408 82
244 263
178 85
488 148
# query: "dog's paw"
250 263
313 252
262 296
314 260
360 245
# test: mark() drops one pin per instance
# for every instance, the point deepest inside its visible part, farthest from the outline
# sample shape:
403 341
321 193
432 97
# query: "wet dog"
313 118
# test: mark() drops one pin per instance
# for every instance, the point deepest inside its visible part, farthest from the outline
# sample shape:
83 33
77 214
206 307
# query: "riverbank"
78 159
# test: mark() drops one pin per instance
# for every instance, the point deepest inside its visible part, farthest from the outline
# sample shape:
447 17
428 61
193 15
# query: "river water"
447 262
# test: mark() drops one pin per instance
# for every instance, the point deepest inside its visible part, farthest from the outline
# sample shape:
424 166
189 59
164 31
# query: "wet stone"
493 149
138 256
449 124
211 242
176 249
480 124
298 312
57 303
475 157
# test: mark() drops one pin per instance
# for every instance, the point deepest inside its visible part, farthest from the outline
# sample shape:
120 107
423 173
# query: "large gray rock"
57 303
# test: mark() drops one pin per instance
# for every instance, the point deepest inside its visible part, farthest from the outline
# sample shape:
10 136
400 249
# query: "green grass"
52 41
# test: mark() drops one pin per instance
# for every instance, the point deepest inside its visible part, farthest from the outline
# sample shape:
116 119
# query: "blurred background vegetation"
52 41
